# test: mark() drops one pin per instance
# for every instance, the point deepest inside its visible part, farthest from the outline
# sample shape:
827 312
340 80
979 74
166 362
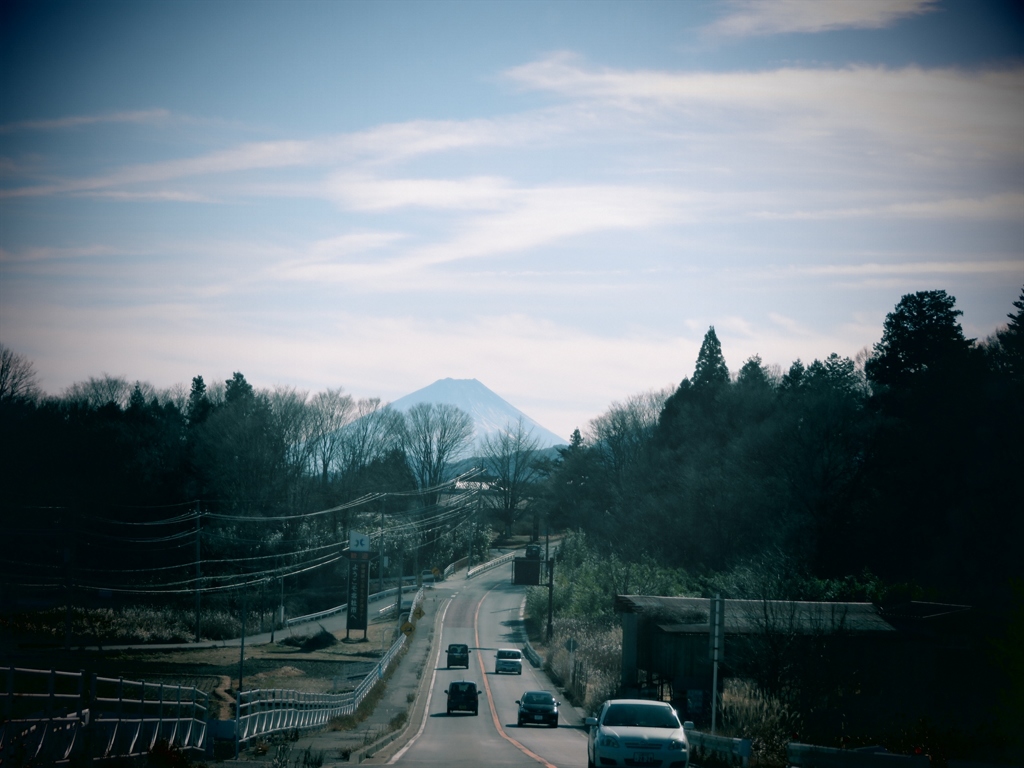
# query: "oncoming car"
637 732
508 660
538 708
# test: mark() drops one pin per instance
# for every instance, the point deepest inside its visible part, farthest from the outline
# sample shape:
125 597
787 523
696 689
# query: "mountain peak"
489 411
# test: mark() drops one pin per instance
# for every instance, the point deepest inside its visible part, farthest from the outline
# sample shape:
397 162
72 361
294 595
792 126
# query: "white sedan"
637 732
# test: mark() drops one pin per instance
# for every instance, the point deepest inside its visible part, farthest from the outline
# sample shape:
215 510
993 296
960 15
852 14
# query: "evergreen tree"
1011 342
711 372
199 405
753 375
920 336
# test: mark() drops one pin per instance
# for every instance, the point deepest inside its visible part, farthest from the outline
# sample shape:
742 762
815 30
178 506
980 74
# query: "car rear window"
509 654
538 698
642 715
463 687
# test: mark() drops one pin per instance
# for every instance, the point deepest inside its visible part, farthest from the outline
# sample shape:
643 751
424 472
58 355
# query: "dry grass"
749 713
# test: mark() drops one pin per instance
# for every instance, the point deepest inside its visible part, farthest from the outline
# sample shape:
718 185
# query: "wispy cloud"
381 145
946 114
748 18
74 121
1008 206
361 192
968 267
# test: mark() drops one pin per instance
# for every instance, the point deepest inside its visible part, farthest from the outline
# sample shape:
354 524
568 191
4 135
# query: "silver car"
637 732
508 660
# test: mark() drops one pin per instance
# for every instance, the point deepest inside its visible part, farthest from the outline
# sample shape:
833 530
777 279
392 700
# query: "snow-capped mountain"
490 412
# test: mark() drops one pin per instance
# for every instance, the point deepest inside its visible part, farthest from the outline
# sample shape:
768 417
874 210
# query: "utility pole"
380 562
551 592
717 643
199 569
398 603
241 670
476 519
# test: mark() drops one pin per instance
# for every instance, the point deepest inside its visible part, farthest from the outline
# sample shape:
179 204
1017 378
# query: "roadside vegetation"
885 478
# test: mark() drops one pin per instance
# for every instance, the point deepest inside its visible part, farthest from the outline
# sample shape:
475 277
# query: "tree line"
901 465
130 489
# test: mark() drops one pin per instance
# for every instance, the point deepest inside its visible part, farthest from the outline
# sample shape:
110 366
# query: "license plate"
644 758
538 717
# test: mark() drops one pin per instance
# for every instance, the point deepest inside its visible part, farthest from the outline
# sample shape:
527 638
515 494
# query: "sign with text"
358 592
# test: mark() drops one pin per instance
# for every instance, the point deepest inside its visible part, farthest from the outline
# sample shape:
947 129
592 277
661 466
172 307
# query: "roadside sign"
358 542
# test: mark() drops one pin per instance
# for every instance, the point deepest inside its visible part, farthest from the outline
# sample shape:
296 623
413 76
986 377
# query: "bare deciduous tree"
292 418
330 411
18 378
436 435
374 431
97 392
510 456
624 432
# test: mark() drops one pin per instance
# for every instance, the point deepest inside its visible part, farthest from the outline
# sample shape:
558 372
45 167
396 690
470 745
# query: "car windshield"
538 698
641 716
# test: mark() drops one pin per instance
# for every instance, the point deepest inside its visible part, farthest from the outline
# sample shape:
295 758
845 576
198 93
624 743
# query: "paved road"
485 614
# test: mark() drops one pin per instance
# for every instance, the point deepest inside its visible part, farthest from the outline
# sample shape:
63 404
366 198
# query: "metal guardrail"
264 711
343 607
453 567
52 717
730 750
506 558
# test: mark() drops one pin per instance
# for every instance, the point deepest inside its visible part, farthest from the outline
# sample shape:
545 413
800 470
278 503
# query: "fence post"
9 704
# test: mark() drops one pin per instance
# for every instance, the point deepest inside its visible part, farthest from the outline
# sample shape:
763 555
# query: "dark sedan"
538 708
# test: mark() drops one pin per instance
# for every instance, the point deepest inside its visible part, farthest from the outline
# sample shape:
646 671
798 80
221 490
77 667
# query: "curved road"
484 613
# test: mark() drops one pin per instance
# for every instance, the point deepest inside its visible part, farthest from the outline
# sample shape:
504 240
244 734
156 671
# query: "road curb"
416 711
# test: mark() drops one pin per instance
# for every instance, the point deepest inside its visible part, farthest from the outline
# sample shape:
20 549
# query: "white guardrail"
729 750
265 711
507 558
51 717
344 606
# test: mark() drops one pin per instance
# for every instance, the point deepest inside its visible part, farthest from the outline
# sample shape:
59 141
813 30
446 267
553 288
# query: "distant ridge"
490 413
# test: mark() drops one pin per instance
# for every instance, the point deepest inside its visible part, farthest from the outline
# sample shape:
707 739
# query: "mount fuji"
490 413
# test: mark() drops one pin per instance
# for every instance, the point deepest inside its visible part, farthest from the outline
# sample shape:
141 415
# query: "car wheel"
590 761
554 723
449 711
519 722
476 712
520 671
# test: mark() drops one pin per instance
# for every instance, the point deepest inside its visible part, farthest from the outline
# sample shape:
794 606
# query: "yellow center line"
490 698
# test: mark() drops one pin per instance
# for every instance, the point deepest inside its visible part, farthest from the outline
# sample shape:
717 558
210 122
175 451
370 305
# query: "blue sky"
555 198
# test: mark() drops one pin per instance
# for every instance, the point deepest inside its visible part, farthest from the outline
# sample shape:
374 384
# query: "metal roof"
690 615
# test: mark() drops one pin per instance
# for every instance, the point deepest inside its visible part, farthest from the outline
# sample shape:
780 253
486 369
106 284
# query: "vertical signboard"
358 581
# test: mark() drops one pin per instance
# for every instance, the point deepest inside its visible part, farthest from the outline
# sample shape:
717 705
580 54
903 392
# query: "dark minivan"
458 655
463 696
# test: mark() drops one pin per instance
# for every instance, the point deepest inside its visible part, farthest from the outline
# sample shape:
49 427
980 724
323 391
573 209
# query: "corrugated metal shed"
690 615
